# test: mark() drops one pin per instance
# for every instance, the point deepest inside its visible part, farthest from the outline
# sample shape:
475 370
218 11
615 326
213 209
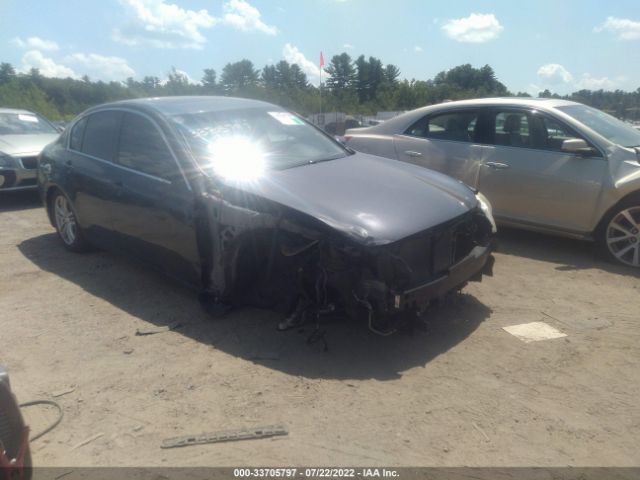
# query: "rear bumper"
479 262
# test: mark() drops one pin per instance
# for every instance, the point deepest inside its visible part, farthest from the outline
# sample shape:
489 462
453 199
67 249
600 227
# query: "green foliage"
360 86
239 77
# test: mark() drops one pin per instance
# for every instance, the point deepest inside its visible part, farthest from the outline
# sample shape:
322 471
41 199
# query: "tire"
619 233
66 225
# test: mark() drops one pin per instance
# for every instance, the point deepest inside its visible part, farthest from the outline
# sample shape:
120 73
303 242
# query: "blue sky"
560 45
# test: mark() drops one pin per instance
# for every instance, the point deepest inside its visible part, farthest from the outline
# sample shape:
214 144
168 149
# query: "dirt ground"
462 392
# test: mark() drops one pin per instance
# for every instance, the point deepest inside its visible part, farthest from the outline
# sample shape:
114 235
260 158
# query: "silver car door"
444 142
529 179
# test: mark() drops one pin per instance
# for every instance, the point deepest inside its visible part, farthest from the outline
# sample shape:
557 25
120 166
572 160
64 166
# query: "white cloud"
46 66
163 25
245 17
417 49
554 74
623 28
36 43
292 55
104 68
348 46
476 28
593 83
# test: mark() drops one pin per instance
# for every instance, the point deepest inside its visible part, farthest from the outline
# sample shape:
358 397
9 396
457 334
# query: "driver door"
529 180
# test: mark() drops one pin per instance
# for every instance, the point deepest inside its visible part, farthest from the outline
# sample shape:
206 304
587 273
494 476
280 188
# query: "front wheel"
66 224
620 233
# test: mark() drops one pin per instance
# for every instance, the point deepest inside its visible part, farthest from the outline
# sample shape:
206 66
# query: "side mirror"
577 145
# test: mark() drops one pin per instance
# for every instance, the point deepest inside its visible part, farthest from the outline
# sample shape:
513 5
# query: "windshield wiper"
328 159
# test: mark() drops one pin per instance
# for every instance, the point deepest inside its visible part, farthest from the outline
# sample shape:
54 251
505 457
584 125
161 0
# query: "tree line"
356 86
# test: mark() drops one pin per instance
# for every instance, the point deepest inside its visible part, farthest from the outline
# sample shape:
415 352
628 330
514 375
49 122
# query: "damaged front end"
270 256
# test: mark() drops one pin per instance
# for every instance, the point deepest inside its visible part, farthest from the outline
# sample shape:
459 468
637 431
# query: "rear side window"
75 139
453 126
100 135
143 148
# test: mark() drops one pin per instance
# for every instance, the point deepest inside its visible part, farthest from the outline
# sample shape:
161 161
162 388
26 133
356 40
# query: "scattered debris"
137 428
225 436
128 351
534 331
55 423
154 330
65 391
88 440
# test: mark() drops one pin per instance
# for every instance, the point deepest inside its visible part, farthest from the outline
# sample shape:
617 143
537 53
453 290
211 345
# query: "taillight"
346 138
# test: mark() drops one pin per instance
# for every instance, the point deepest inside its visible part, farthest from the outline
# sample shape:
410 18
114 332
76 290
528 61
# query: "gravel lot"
461 392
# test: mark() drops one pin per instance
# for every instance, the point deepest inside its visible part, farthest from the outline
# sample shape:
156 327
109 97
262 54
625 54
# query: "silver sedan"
544 164
23 135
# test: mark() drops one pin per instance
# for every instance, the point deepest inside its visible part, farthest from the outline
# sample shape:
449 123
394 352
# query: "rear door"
155 221
529 179
446 142
92 176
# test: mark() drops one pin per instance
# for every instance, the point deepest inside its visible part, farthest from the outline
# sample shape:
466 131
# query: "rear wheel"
64 219
620 233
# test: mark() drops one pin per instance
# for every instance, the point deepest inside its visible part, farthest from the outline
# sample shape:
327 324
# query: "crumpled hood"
372 199
25 144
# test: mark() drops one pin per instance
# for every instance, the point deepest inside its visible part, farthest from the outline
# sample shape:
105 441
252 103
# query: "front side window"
454 126
552 134
143 148
100 135
512 129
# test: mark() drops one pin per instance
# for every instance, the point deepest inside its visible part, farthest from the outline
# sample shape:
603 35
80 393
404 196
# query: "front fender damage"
274 257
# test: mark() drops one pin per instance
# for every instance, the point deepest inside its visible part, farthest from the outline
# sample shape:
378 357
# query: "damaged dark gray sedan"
253 205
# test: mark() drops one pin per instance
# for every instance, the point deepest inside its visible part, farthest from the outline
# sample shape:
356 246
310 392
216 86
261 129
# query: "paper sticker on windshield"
27 118
286 118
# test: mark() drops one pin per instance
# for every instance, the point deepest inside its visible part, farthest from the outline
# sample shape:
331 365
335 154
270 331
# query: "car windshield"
24 124
256 138
609 127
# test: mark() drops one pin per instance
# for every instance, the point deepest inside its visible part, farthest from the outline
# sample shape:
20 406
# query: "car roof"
409 117
14 110
528 101
190 104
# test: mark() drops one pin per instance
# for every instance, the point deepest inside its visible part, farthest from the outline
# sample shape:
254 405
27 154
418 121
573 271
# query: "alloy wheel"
65 220
623 236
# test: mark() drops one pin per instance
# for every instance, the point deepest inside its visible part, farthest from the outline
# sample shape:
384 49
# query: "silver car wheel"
623 236
65 220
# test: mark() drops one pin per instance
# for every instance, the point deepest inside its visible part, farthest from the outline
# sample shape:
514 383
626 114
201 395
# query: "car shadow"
568 254
19 200
347 350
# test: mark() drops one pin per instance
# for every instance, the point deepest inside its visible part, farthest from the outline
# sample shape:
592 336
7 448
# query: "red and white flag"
321 59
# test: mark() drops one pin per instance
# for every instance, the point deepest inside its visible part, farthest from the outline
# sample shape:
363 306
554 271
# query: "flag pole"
321 89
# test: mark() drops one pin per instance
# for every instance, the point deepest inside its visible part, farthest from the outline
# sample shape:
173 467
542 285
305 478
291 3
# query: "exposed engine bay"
270 256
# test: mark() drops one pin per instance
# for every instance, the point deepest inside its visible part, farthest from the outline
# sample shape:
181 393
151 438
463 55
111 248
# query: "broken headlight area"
307 275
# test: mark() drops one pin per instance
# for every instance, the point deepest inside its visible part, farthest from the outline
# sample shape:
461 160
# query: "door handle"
497 165
412 153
